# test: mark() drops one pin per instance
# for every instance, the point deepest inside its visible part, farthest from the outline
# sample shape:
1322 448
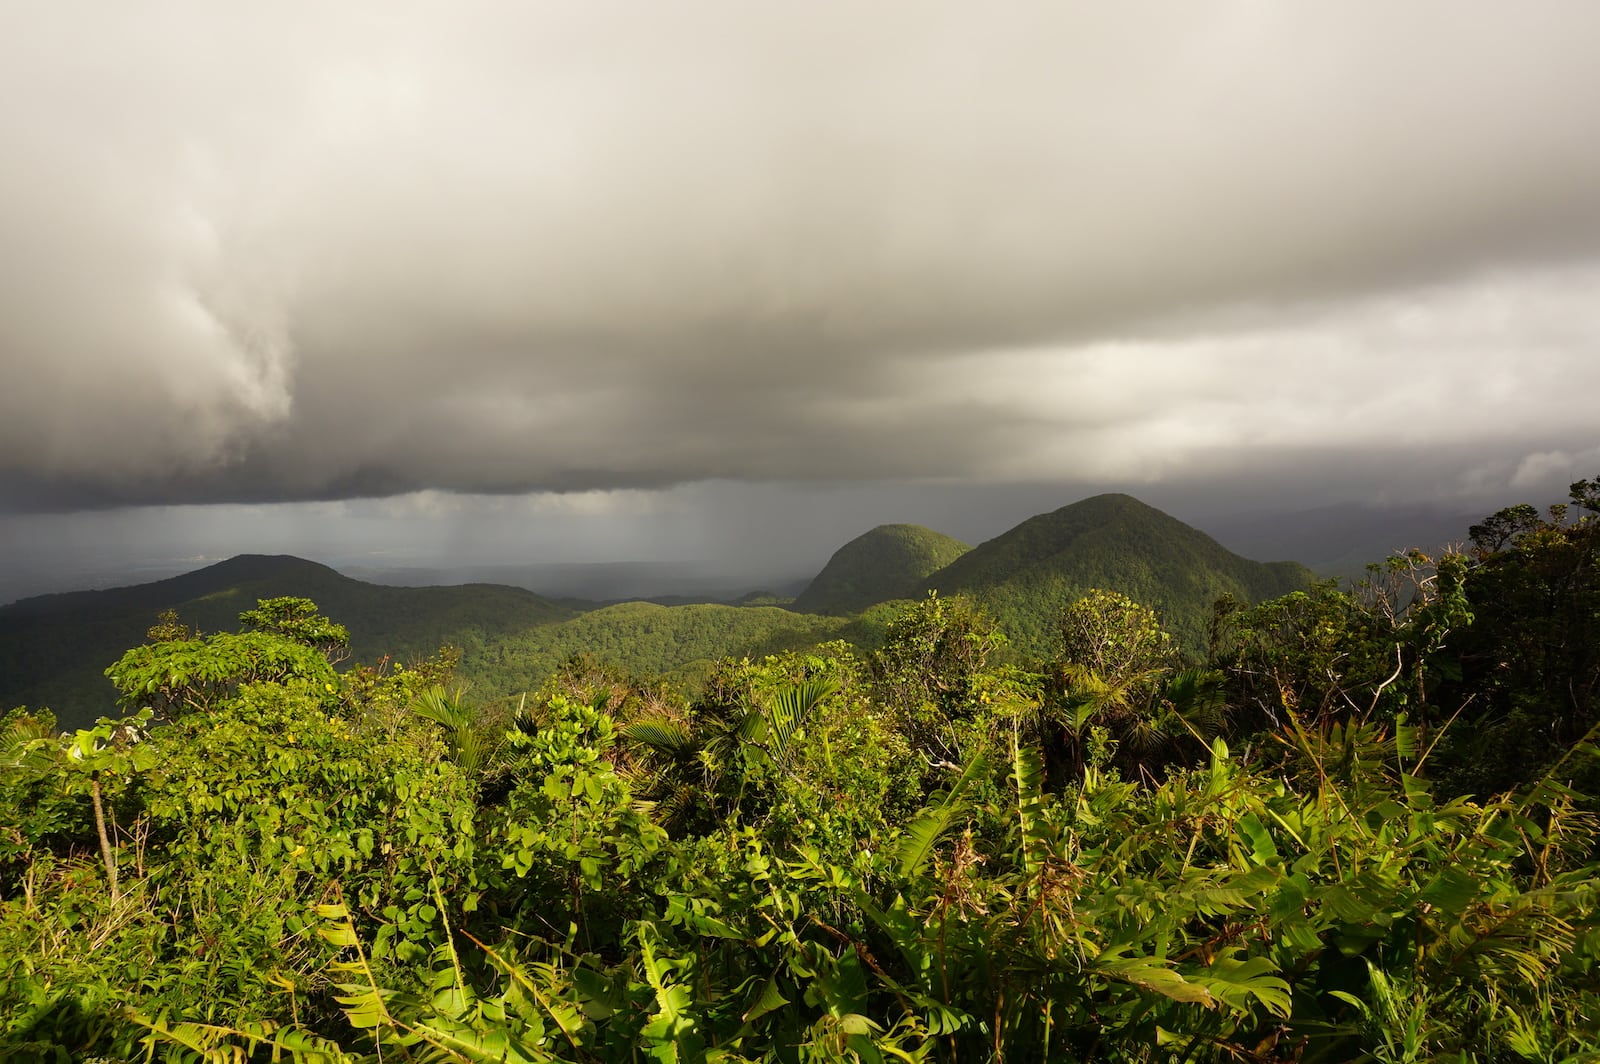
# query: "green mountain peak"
1025 577
889 562
53 647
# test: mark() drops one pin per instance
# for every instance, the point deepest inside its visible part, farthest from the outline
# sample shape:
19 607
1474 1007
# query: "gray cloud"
280 253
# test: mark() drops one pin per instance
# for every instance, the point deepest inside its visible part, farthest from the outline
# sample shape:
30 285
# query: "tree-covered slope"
1026 576
645 639
53 647
890 562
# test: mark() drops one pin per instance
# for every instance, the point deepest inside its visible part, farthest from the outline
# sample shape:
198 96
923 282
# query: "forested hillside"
54 648
1359 827
1026 576
642 638
890 562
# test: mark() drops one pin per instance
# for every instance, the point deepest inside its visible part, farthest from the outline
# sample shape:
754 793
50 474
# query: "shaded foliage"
1528 668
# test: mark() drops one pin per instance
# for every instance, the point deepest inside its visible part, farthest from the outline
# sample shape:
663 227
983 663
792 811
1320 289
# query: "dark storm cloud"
280 252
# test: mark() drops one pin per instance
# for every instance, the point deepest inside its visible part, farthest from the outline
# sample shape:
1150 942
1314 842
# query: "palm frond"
444 709
788 708
1028 771
661 733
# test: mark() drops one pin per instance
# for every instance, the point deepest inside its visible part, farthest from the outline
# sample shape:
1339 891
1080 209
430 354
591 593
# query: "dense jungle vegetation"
1352 824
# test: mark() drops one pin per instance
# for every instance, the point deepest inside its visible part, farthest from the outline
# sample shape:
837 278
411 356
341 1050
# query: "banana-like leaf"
922 835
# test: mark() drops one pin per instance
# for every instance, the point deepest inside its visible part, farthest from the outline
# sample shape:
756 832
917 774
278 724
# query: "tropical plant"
805 865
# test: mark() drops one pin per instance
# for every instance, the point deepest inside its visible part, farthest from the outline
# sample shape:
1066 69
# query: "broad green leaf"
1236 982
1153 975
769 999
922 835
1263 849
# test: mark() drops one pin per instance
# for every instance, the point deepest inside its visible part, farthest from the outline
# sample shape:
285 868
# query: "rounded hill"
54 648
1027 576
890 562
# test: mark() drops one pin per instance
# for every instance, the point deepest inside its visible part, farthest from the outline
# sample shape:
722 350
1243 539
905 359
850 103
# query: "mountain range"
53 648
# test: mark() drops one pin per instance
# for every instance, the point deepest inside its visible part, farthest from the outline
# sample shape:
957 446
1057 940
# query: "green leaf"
1263 849
364 1006
1147 973
922 835
341 936
663 733
1028 770
768 1000
788 708
1405 737
1236 982
1451 890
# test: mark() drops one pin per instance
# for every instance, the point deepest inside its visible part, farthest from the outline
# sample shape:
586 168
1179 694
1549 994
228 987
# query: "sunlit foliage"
927 852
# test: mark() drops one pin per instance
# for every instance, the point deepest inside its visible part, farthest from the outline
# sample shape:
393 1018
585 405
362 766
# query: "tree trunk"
106 853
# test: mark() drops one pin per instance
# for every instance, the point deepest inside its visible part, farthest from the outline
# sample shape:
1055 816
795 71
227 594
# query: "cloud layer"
286 252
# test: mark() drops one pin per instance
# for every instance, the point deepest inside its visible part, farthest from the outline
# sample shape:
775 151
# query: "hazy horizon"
492 283
1336 541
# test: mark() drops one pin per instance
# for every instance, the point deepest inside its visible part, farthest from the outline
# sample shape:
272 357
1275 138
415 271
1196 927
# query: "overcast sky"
672 279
